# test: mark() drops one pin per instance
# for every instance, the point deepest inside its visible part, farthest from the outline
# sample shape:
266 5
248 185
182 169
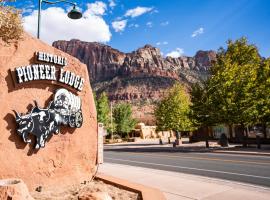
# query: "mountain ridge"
140 77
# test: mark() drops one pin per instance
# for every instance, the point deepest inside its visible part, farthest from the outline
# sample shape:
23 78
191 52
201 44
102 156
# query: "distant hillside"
139 77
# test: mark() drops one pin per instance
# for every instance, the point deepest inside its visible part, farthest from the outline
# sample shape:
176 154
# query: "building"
145 132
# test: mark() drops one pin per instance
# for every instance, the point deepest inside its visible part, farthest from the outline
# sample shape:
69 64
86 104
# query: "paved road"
242 168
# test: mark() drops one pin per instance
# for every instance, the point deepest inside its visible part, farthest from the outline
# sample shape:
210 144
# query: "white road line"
180 167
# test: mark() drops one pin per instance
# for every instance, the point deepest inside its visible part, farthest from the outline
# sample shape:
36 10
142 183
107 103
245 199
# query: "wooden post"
206 138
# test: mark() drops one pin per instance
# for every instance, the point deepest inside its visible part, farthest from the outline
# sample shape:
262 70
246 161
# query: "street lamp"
73 14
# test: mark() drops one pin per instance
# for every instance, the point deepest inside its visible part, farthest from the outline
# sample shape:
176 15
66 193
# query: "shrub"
10 23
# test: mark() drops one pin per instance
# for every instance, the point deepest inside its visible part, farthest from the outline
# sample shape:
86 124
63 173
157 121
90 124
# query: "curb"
242 153
147 193
170 149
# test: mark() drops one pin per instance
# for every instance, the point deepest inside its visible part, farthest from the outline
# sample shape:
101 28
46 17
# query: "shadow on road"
162 149
136 145
148 148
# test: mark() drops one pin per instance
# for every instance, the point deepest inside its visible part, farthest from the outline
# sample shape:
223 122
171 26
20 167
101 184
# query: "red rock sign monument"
48 127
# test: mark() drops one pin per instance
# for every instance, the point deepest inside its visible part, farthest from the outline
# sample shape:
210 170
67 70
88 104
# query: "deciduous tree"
236 92
172 111
122 115
103 110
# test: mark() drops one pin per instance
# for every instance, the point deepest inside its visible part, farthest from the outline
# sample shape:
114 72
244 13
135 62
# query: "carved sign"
50 58
49 72
64 109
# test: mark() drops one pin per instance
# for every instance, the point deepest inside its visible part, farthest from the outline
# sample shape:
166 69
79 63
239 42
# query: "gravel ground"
73 192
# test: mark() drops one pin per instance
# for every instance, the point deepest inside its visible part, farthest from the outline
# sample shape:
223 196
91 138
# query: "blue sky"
175 26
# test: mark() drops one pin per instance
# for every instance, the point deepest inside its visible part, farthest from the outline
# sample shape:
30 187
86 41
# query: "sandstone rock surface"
68 157
102 61
14 189
139 77
106 63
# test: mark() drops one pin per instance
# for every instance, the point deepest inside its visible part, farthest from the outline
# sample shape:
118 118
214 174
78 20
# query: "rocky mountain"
139 77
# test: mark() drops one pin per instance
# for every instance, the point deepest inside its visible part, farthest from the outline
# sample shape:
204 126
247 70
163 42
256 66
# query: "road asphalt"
248 169
182 186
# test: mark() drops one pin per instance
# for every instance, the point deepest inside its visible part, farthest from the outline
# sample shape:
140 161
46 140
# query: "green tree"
203 109
235 75
103 110
122 115
262 95
95 98
172 111
236 88
238 67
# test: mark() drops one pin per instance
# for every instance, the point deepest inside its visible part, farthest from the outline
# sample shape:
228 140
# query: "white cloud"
55 25
96 8
135 12
26 10
162 43
112 3
149 24
119 26
176 53
134 25
28 7
197 32
29 4
154 11
166 23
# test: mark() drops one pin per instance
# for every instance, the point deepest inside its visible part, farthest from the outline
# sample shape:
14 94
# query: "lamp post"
73 14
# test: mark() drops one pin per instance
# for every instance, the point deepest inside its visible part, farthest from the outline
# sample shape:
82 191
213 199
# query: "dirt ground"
73 192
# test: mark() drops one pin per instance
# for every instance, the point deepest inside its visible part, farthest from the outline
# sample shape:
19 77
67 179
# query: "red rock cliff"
102 61
139 77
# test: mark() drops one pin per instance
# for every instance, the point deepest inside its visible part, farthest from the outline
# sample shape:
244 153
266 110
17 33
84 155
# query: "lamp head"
74 13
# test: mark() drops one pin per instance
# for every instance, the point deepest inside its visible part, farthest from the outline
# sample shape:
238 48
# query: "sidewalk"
180 186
